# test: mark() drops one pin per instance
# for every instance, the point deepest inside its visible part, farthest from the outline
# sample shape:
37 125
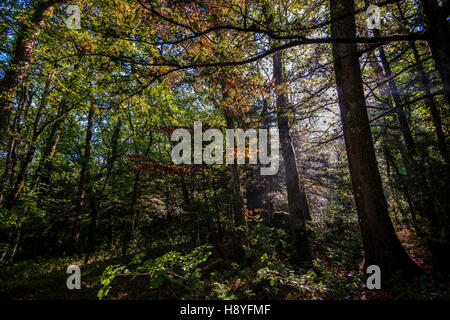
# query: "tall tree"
381 245
83 179
238 201
426 87
297 202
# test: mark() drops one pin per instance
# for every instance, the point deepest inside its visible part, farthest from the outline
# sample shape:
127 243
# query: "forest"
118 126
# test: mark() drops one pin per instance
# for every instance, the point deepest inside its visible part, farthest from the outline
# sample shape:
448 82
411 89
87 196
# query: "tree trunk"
14 194
238 201
390 160
439 33
400 112
128 230
84 175
187 201
380 243
10 162
421 195
43 172
16 243
429 100
268 201
22 57
95 200
435 116
255 189
297 202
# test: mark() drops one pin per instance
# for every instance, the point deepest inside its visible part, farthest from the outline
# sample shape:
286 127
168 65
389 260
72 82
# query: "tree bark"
44 169
22 57
381 245
238 201
439 33
421 195
84 175
11 158
429 100
95 200
297 201
128 229
14 194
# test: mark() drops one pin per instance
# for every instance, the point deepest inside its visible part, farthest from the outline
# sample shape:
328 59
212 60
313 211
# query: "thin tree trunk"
16 243
268 179
14 194
421 195
218 210
429 100
381 245
129 231
44 169
238 201
12 151
390 160
84 175
400 112
297 201
95 200
186 199
439 33
22 56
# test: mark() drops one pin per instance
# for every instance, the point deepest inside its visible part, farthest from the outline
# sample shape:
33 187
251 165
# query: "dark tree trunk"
435 116
218 211
95 200
421 195
44 170
297 202
393 164
255 189
268 201
14 194
84 175
129 229
400 112
11 157
238 201
187 201
439 33
380 243
257 186
22 57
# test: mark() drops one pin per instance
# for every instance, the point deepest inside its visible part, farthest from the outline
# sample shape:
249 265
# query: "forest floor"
335 274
